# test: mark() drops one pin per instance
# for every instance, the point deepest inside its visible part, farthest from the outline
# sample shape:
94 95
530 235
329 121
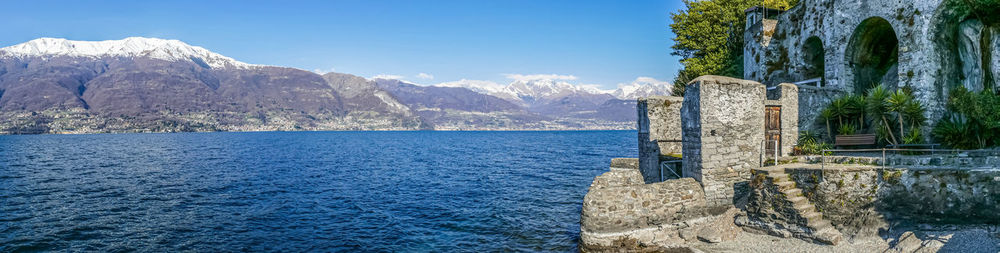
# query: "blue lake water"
301 191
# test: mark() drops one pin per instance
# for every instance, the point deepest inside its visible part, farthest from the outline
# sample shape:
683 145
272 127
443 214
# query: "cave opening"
873 55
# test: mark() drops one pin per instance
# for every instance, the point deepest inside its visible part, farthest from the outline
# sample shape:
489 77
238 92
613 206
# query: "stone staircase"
820 229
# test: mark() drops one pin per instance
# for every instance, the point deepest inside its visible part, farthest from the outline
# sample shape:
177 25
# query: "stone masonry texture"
723 133
851 45
659 132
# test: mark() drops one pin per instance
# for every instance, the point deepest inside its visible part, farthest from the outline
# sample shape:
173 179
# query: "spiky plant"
826 115
877 107
857 105
897 104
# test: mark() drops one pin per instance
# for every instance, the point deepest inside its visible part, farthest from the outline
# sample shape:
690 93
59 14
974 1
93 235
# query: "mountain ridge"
154 85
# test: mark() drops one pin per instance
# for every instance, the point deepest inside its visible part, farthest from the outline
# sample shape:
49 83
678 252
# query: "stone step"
803 208
819 224
813 215
785 184
793 192
777 177
797 200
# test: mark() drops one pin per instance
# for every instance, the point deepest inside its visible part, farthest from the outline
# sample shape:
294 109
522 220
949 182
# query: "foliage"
973 121
710 36
881 111
913 137
847 129
955 130
809 144
808 136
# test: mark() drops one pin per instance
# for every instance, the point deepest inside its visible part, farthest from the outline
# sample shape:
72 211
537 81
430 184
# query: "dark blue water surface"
300 191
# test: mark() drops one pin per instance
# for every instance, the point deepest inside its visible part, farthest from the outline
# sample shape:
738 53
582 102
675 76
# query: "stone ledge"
625 163
610 209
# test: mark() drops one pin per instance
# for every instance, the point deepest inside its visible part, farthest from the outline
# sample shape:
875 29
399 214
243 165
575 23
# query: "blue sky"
599 42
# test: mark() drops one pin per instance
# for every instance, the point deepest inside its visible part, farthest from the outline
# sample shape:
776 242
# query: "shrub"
955 131
972 122
809 144
890 112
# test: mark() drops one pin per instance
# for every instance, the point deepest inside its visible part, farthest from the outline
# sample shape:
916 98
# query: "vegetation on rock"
972 121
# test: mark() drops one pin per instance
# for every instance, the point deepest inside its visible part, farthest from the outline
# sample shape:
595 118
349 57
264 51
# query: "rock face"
994 55
722 122
970 33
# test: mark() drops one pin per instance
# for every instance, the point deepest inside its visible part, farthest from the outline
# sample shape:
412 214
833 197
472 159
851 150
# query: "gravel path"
972 238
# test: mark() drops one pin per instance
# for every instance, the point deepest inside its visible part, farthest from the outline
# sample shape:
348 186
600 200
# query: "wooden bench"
854 140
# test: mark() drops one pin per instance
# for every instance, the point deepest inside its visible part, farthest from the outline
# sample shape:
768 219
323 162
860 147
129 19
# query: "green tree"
878 108
710 36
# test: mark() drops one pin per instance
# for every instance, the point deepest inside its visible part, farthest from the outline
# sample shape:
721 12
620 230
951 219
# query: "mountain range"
154 85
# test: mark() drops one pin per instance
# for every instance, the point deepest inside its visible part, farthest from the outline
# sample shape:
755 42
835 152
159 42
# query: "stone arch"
873 55
814 57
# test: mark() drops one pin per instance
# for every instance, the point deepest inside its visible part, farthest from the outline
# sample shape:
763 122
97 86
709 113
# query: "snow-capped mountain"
643 87
168 50
148 84
524 91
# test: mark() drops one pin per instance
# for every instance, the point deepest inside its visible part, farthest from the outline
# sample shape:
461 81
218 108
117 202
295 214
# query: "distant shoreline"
342 131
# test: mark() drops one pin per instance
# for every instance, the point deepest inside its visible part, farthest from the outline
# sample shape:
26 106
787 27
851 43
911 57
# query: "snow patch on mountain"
169 50
643 87
526 88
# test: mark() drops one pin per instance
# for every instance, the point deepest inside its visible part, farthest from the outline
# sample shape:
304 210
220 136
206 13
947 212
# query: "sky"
603 43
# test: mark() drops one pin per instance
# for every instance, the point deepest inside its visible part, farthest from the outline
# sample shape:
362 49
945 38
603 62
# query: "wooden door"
772 129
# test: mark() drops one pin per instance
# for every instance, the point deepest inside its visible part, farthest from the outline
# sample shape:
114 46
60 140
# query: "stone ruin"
718 129
830 48
701 175
724 186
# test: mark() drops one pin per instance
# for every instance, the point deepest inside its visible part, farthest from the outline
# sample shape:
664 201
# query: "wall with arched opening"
814 57
873 55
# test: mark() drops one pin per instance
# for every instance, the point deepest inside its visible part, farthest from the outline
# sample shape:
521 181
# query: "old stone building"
834 47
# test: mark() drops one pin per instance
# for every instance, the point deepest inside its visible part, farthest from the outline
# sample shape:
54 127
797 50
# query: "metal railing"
899 152
763 152
665 164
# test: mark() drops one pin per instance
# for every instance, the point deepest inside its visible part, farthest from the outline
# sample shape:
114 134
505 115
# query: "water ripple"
300 191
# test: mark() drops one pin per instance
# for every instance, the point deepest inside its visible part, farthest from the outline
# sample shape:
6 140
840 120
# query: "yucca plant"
878 109
957 131
897 103
913 111
857 105
840 107
913 137
847 129
826 115
808 136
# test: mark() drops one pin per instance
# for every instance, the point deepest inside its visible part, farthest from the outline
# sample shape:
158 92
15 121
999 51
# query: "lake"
301 191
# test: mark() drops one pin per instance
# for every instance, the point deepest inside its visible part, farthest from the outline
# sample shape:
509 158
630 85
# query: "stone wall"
722 121
812 100
928 59
659 132
845 195
862 200
620 206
